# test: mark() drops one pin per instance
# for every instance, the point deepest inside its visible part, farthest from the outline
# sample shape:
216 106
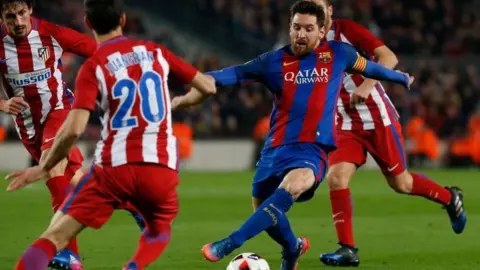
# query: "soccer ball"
248 261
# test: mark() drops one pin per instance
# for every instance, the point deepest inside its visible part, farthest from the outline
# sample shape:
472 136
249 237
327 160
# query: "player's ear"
321 32
87 22
330 10
123 20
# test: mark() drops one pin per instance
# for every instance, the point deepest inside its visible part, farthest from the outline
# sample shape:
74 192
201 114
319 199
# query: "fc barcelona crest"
44 53
325 57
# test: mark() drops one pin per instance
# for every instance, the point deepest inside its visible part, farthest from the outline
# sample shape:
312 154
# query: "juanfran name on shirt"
127 60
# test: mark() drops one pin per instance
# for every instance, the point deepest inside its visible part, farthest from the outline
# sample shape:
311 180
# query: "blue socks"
269 216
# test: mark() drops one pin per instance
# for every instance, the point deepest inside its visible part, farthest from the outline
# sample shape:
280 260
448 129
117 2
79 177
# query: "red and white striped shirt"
129 80
31 68
377 110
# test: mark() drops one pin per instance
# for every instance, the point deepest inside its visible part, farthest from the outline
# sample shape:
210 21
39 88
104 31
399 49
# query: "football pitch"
392 231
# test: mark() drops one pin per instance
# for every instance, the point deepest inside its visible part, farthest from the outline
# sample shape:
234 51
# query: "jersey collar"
112 40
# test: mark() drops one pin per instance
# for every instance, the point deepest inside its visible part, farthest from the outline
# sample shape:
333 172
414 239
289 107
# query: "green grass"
392 231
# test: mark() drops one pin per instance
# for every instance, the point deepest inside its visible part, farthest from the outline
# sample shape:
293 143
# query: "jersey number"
152 105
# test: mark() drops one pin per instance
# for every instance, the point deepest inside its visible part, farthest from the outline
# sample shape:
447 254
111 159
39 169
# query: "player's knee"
298 181
337 180
338 176
402 183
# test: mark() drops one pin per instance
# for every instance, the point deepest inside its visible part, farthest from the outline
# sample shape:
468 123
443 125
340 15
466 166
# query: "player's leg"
157 201
417 184
127 206
271 213
56 238
284 174
284 236
58 182
391 158
344 161
88 205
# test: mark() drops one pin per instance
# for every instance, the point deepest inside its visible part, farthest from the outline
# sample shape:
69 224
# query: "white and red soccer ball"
248 261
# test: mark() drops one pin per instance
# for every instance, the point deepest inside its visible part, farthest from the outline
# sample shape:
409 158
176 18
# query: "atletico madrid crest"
44 53
324 57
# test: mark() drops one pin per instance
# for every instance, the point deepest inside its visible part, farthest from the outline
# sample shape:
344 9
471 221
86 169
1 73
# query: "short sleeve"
86 87
183 70
346 53
71 40
360 37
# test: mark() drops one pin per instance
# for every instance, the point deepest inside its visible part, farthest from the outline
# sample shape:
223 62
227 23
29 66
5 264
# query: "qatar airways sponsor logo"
307 76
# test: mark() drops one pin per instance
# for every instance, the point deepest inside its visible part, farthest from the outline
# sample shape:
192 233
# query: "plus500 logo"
25 79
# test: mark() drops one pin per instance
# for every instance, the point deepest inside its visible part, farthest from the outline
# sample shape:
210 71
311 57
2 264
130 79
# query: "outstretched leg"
56 238
156 236
420 185
271 214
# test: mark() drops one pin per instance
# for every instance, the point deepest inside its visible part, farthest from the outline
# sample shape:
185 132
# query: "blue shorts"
276 162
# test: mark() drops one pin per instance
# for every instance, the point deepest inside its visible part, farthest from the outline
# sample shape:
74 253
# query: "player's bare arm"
13 106
203 86
386 58
372 70
68 134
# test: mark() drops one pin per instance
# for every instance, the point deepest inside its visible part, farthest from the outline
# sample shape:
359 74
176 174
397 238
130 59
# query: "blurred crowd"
428 35
427 27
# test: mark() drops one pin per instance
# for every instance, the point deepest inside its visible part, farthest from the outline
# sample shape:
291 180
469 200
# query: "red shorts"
385 144
44 139
149 188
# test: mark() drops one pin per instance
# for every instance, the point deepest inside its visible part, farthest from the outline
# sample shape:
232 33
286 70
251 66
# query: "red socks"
37 256
342 215
59 188
423 186
150 247
342 204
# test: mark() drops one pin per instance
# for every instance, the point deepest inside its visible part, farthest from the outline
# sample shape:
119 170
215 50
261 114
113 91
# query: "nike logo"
392 168
311 164
286 64
3 61
49 139
336 214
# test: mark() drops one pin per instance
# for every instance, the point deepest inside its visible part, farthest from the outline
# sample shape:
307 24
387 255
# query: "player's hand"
411 79
360 95
14 105
22 178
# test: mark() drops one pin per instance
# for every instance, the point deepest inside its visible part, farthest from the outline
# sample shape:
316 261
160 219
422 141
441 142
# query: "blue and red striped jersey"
305 89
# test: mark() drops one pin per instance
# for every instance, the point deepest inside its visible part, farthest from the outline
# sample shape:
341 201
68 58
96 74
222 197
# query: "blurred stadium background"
438 41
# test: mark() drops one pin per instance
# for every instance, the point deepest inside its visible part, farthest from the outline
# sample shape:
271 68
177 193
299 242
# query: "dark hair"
104 15
310 8
5 3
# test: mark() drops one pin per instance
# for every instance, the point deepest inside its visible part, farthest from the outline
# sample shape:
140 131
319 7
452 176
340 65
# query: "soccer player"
30 52
38 98
304 78
368 122
136 158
